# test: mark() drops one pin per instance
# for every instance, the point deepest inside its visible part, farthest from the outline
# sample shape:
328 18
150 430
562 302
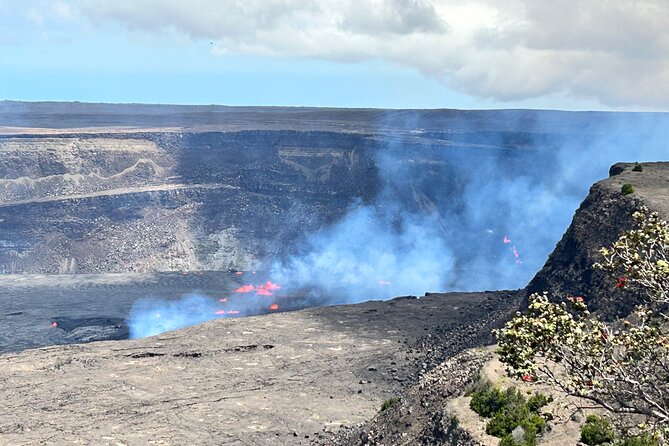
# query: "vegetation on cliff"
623 367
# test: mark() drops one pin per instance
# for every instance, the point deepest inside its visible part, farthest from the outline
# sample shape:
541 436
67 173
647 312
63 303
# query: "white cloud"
612 51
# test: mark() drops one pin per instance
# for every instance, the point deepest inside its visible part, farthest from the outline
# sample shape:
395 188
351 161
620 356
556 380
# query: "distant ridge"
81 115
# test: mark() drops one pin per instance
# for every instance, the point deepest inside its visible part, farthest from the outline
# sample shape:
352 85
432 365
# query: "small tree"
622 367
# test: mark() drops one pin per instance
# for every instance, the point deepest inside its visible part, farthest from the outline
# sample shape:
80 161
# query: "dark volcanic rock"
98 188
600 220
421 417
168 201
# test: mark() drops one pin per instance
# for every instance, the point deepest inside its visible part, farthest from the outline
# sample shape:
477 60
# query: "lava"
245 289
271 286
226 312
264 289
514 250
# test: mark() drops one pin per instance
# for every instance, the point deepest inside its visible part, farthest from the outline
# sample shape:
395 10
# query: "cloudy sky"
570 54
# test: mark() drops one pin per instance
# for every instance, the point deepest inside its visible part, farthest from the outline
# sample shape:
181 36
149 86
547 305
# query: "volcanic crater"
103 206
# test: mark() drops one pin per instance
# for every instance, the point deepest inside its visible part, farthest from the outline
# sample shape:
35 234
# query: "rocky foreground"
278 379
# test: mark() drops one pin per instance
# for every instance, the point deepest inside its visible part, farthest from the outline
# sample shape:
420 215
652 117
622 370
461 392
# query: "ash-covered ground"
288 378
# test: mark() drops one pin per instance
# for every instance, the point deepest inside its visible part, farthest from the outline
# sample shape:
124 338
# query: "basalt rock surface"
151 202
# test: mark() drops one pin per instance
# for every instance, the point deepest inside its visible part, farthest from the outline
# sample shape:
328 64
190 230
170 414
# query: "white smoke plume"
150 317
490 228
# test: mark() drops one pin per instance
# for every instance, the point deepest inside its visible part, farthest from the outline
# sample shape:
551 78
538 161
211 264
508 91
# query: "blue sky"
343 53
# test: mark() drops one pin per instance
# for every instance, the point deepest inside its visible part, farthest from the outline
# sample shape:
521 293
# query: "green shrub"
596 431
387 404
637 167
627 189
537 401
523 435
505 421
514 419
639 440
488 401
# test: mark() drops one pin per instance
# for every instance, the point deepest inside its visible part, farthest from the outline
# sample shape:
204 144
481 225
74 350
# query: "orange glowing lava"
54 324
264 289
514 250
270 286
274 307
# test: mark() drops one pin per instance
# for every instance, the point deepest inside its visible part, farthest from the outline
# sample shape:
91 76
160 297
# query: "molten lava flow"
274 307
514 250
271 286
54 324
226 312
264 289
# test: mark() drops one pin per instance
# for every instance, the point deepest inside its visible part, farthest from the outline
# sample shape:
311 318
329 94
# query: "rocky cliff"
99 188
601 218
170 201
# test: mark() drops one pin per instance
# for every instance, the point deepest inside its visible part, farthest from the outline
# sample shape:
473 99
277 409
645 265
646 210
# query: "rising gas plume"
447 218
454 220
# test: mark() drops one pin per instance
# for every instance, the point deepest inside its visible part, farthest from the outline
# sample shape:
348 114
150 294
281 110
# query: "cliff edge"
602 217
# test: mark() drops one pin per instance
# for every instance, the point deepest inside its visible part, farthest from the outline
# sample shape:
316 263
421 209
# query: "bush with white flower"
622 367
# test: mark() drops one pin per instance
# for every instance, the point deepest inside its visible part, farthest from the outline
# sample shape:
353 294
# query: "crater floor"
279 378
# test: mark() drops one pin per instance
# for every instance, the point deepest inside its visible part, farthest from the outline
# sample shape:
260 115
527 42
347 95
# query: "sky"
559 54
